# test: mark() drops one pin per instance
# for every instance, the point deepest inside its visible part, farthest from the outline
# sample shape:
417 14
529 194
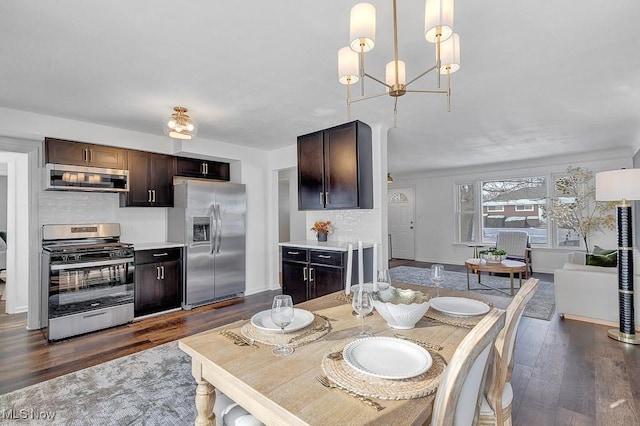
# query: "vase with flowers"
322 229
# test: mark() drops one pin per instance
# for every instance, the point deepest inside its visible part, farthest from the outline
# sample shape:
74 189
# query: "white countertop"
328 245
158 245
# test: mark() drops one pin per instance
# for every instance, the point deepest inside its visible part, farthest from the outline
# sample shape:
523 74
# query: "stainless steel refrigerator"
209 219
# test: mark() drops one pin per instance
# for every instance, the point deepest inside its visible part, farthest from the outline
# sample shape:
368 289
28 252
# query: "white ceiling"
538 78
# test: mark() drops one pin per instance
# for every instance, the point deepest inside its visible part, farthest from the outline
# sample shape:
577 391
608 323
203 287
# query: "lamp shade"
438 14
615 185
362 27
450 55
348 69
390 74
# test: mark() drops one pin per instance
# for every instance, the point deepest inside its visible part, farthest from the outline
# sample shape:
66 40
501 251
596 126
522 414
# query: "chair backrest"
502 365
513 242
458 395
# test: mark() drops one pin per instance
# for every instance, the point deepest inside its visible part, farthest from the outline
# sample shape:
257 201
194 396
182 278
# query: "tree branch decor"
575 206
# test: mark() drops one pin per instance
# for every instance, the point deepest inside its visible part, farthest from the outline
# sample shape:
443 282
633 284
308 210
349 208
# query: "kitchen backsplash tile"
349 225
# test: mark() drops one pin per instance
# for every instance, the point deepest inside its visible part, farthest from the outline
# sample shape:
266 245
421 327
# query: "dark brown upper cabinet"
192 167
60 151
150 180
335 168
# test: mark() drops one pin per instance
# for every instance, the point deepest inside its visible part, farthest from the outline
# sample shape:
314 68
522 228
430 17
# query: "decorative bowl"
493 258
401 308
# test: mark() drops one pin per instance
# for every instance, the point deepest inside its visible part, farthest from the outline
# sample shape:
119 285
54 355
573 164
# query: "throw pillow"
608 260
600 250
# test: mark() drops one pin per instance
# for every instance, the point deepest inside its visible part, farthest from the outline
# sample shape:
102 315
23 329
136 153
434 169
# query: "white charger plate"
459 306
387 357
301 318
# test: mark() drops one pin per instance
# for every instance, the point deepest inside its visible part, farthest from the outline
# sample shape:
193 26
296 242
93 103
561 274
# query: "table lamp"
622 185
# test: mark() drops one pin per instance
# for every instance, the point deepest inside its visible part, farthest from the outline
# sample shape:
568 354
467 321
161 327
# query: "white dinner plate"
459 306
387 357
301 318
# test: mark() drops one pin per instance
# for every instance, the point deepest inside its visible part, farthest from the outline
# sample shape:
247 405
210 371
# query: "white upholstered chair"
497 401
459 393
517 246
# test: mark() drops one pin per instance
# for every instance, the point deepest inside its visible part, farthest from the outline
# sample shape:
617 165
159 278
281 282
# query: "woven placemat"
317 329
464 322
339 372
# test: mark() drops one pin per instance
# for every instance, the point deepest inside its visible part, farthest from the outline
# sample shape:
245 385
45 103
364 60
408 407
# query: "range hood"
63 177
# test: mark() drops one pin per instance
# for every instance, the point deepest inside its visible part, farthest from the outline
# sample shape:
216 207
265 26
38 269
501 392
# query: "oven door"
85 286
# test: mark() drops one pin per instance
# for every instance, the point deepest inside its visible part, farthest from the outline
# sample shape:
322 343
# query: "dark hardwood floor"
566 372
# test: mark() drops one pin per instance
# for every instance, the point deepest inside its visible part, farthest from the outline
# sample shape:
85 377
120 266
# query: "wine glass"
363 306
384 279
282 315
437 277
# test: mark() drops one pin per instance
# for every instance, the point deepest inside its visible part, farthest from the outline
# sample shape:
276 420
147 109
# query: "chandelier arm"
368 97
448 89
428 91
362 73
422 75
376 79
395 112
438 63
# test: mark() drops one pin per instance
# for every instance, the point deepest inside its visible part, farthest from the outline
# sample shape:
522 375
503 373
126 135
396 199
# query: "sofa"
590 293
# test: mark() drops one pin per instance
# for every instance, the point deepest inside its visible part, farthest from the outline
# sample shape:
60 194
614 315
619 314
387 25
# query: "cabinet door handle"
148 195
326 198
311 277
162 272
90 155
324 256
206 168
321 198
304 273
157 272
153 193
160 254
202 168
293 252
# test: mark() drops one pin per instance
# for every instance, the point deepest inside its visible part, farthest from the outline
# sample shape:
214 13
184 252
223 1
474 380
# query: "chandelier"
180 125
438 30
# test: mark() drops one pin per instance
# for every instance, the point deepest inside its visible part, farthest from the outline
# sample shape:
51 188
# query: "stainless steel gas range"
87 278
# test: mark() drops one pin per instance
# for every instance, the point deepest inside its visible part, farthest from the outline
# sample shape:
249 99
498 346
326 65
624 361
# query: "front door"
402 222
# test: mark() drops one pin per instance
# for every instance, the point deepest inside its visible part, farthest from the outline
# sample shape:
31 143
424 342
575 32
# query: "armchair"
517 246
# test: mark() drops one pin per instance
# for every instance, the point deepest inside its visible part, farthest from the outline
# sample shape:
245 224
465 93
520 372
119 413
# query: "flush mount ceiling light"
438 30
180 125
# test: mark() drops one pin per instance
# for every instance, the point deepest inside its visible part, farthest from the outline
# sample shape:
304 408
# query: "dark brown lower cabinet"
310 273
158 281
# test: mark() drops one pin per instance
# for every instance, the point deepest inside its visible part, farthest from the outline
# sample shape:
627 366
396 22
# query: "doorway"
401 207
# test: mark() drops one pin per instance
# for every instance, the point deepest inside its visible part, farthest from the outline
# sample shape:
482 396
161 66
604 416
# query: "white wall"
435 204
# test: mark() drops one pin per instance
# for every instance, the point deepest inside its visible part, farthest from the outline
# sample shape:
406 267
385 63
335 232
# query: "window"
466 212
505 204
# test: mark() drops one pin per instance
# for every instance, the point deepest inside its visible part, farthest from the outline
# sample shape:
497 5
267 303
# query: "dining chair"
518 247
459 393
497 400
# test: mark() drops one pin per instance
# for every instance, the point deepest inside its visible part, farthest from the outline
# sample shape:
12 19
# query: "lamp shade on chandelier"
438 30
179 125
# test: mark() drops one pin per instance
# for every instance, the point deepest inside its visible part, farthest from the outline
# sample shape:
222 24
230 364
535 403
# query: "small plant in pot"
493 255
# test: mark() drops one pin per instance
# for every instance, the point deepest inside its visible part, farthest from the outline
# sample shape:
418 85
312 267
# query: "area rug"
152 387
541 306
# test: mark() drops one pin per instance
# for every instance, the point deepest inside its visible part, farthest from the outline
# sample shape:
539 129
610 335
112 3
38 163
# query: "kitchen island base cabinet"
158 280
308 273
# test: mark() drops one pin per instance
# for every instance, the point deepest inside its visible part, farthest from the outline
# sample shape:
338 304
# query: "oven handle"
90 264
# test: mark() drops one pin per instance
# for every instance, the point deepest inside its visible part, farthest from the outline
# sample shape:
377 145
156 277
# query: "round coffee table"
506 266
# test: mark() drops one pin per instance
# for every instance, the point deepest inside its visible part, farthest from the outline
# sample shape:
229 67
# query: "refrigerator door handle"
213 225
219 227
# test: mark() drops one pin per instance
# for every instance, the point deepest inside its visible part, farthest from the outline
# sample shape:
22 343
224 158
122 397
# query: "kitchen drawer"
157 255
295 254
331 258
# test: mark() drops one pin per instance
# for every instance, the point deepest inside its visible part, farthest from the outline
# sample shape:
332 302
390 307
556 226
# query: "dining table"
287 390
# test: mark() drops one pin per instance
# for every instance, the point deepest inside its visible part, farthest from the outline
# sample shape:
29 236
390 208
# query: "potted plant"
575 207
322 229
493 255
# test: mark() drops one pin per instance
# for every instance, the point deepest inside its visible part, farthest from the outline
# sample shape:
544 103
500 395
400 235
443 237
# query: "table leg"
511 280
205 397
467 268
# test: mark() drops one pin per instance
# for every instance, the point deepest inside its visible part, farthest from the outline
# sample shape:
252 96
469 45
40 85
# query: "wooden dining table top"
283 390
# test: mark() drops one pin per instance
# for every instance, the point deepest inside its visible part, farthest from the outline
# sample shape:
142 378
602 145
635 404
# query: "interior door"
402 222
